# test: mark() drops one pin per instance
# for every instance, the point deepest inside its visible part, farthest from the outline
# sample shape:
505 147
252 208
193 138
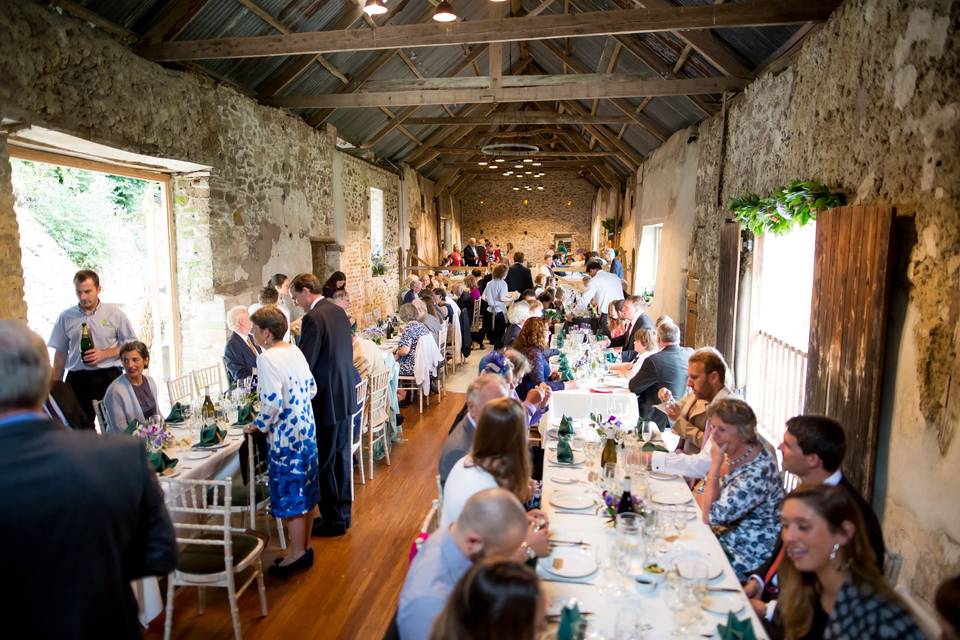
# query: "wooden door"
728 281
848 321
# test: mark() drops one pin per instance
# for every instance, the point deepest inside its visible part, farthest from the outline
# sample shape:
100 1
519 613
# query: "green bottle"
86 338
609 453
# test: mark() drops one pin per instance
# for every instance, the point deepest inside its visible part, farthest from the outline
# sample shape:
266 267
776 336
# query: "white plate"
672 497
660 475
197 455
572 500
552 446
172 474
714 565
723 603
578 458
197 447
562 478
577 563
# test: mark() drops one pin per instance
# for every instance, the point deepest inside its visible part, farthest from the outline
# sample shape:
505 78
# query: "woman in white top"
644 344
499 458
495 294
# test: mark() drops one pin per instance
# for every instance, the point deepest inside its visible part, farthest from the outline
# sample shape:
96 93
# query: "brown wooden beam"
750 14
521 117
511 166
456 151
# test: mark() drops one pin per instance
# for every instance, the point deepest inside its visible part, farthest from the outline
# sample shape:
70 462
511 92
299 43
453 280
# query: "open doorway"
82 215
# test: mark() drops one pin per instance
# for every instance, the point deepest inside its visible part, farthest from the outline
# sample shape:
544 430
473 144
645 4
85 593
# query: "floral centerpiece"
611 427
377 266
156 437
374 334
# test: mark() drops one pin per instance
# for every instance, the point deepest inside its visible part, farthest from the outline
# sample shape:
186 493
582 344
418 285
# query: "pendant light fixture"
374 7
444 12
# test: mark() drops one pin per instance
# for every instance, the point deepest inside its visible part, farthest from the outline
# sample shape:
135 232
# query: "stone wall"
12 304
421 215
492 209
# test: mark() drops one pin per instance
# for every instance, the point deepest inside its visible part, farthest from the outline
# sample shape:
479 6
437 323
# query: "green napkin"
132 427
246 414
652 446
572 625
176 413
566 426
210 435
161 461
735 629
610 356
564 451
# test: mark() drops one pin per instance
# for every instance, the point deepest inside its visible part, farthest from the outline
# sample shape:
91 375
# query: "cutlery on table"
725 589
578 543
565 580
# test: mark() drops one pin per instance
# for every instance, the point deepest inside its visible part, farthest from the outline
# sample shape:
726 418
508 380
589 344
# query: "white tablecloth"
580 403
651 609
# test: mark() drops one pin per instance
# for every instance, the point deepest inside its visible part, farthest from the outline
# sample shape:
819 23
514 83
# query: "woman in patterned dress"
830 585
409 338
286 416
745 512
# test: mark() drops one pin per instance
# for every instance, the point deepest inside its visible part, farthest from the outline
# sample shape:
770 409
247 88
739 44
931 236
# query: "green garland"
786 208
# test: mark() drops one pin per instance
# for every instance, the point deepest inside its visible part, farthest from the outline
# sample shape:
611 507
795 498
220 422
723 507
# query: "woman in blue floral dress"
745 512
285 388
409 338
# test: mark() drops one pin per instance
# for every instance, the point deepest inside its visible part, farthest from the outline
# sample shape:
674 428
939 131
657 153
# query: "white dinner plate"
212 447
660 475
723 603
173 473
552 446
197 455
572 500
672 497
578 458
569 562
562 478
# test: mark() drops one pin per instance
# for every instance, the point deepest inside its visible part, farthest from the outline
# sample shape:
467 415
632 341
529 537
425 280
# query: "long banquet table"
648 615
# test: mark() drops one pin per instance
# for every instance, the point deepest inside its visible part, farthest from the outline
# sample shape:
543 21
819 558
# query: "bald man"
485 388
492 523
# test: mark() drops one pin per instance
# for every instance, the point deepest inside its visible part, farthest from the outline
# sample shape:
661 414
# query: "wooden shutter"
693 310
728 280
848 321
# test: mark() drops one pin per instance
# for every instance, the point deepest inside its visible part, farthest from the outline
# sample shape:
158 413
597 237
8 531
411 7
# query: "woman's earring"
835 551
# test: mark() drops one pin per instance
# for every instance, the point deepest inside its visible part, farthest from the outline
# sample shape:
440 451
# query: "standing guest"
533 341
286 388
665 369
89 372
456 258
495 295
91 506
832 587
463 294
281 283
492 524
326 344
494 599
470 256
482 258
947 603
744 510
445 259
635 321
516 316
483 389
240 353
518 276
270 296
616 267
336 282
413 330
492 255
546 267
413 290
132 396
604 288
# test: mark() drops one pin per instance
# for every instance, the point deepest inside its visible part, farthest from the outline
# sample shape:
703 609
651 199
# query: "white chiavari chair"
253 498
442 369
476 321
378 411
180 389
101 425
431 522
208 379
213 553
356 438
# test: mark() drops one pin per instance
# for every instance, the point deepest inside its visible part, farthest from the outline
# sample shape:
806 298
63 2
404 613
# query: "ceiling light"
500 160
516 188
518 166
506 174
482 163
374 7
539 188
444 12
528 159
528 172
536 164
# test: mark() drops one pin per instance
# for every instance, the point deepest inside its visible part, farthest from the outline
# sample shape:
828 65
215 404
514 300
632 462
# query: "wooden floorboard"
352 589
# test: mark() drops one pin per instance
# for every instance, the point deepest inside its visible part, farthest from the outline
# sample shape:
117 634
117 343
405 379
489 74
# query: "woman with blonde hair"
644 344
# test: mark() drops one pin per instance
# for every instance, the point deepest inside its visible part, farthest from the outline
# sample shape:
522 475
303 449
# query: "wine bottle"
208 412
609 453
626 500
86 338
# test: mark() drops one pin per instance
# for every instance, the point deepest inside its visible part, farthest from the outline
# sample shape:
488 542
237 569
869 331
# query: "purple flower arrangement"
610 502
156 437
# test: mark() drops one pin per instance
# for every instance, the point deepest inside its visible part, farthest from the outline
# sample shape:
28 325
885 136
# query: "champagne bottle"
86 338
609 453
208 412
626 500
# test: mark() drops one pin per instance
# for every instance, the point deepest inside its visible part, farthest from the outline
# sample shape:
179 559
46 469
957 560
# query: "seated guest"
528 295
666 368
644 345
132 396
615 321
743 510
832 587
536 309
91 507
429 315
485 388
494 599
286 387
947 603
538 283
367 357
336 282
443 304
341 298
546 299
413 330
706 373
516 316
532 342
634 320
813 448
537 400
664 318
491 524
240 353
413 290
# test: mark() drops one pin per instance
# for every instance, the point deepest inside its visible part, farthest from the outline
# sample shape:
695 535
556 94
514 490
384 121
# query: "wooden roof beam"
521 117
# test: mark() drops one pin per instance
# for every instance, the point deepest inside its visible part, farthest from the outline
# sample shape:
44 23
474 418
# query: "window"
648 256
376 221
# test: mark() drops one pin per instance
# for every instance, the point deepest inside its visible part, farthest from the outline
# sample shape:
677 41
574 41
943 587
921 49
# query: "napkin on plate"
610 356
132 427
246 414
161 461
572 625
210 435
176 413
566 426
564 451
735 629
653 446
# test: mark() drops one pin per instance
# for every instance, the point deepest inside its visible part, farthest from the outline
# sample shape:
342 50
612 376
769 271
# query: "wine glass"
609 478
646 431
606 552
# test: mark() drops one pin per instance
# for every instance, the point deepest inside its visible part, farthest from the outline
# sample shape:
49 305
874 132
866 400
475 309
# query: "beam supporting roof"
517 158
533 88
520 117
750 14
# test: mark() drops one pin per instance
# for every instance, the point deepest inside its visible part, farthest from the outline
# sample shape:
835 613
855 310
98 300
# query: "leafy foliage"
787 207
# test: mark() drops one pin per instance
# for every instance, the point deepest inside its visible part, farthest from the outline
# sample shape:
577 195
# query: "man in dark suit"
89 507
326 342
482 390
813 448
666 368
518 275
240 353
470 256
637 320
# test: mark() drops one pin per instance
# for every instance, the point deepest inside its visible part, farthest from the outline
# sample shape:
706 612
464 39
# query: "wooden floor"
352 589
